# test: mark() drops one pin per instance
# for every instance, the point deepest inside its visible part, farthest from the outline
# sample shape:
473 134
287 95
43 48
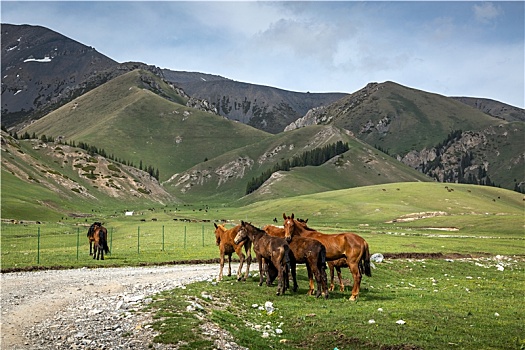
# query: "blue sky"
451 48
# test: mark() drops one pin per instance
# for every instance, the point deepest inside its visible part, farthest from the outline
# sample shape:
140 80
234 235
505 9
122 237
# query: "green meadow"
470 298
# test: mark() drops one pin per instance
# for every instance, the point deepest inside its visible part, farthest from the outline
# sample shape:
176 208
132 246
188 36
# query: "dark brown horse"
90 235
274 250
307 251
342 245
100 242
224 239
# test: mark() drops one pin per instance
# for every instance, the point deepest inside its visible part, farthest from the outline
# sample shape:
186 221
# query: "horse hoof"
353 298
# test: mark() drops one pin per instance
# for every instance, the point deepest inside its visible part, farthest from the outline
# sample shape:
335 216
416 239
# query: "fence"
27 245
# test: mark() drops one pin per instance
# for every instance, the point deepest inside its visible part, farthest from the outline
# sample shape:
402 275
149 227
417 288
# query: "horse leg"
221 266
241 263
90 247
248 262
229 265
261 272
341 284
280 277
354 268
331 267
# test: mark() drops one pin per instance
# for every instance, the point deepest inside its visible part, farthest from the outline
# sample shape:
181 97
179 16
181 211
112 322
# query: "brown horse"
224 239
342 245
336 264
100 242
305 251
274 250
90 235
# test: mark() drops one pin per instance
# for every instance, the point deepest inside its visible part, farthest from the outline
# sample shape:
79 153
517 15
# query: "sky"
451 48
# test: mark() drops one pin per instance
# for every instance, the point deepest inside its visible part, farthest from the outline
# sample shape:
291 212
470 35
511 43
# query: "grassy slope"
135 124
418 119
363 165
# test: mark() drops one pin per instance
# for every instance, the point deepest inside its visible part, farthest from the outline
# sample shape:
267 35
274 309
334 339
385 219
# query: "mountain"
40 67
140 118
495 109
440 136
263 107
135 117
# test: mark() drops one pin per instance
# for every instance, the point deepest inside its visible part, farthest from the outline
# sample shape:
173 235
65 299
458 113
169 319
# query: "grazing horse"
224 239
342 245
100 242
307 251
274 250
90 234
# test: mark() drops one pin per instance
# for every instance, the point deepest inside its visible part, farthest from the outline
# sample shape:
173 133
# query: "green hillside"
226 177
400 119
135 124
403 209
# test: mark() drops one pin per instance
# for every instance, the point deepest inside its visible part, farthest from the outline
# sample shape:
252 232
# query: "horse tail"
103 236
322 257
364 262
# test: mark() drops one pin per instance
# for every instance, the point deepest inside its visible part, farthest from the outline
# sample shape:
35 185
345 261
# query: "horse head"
218 230
241 233
289 226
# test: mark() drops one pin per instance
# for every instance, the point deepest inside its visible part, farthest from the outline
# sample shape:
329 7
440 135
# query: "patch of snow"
17 92
45 59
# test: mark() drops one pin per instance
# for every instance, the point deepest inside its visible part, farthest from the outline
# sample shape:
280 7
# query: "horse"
342 245
100 242
274 250
305 251
336 264
224 239
90 234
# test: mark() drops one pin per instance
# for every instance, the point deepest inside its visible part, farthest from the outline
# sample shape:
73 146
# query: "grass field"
406 304
472 301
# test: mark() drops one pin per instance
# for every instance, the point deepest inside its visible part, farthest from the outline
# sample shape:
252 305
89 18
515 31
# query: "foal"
306 251
274 250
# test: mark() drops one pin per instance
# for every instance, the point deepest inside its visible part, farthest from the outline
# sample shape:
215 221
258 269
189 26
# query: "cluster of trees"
92 150
315 157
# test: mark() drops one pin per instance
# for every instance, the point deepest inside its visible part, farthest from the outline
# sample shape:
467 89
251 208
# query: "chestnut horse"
342 245
274 250
224 239
100 242
305 251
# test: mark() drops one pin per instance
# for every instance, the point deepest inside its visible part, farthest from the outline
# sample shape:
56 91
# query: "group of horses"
98 240
279 249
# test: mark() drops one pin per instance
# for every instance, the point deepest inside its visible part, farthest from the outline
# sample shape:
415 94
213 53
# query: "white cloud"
486 12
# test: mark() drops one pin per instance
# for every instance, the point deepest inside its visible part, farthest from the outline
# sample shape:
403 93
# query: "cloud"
486 12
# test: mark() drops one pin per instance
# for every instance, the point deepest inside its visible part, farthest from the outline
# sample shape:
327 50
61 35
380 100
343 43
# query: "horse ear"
214 224
292 216
242 223
305 221
284 216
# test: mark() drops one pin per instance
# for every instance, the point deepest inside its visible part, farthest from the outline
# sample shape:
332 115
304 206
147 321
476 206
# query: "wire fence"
25 245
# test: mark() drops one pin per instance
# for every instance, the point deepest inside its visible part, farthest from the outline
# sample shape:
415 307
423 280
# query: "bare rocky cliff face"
263 107
468 157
